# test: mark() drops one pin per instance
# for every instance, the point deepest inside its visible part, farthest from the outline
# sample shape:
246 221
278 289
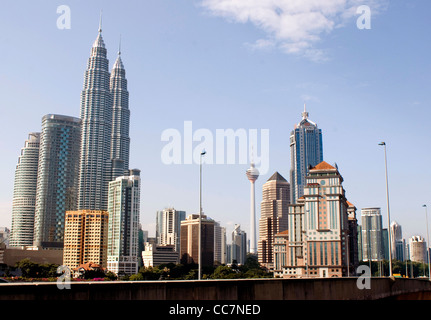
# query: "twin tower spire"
105 119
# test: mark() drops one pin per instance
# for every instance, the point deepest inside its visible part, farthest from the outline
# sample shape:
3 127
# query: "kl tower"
252 175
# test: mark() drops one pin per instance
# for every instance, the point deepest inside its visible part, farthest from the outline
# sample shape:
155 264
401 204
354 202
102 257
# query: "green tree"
150 273
225 272
29 269
136 277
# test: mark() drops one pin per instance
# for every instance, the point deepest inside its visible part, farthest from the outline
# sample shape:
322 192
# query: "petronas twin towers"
105 118
69 164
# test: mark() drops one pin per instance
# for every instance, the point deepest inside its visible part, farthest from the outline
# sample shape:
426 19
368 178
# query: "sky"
245 65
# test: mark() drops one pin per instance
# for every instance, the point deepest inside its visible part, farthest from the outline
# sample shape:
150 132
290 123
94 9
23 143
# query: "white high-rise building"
168 227
219 243
418 250
123 223
24 193
397 241
239 245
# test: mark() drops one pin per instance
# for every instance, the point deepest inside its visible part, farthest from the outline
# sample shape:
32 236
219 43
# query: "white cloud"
294 26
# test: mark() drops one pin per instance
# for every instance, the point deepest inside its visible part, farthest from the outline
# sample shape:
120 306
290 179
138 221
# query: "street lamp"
428 241
200 215
389 215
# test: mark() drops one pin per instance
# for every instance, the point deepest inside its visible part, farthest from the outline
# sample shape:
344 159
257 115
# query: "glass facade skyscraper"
96 117
306 149
57 180
24 193
105 117
372 234
120 142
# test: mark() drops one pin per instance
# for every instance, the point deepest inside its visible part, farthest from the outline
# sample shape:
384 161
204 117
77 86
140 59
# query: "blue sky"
250 65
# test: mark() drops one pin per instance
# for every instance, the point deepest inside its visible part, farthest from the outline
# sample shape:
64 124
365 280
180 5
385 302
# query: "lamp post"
200 215
427 250
389 215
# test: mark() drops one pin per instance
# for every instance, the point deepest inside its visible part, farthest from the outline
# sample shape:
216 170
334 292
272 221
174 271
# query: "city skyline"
190 64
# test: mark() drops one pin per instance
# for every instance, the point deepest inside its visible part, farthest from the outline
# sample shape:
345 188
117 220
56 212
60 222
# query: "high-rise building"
273 216
306 149
120 142
372 234
57 181
319 240
154 255
219 244
24 193
239 245
353 237
123 223
252 175
96 131
397 241
85 238
189 248
418 251
168 225
4 236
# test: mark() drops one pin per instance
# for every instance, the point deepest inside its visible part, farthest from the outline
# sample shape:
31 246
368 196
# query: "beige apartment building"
85 238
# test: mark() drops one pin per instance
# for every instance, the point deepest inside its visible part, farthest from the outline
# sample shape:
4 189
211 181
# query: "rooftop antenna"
100 21
305 113
119 47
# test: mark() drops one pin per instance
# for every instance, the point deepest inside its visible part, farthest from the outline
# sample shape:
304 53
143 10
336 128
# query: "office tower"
154 255
223 245
189 248
281 247
397 241
57 180
123 223
372 246
219 243
352 235
319 235
418 249
385 244
252 175
360 254
239 245
85 238
306 149
273 216
4 236
120 142
24 193
168 225
96 131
